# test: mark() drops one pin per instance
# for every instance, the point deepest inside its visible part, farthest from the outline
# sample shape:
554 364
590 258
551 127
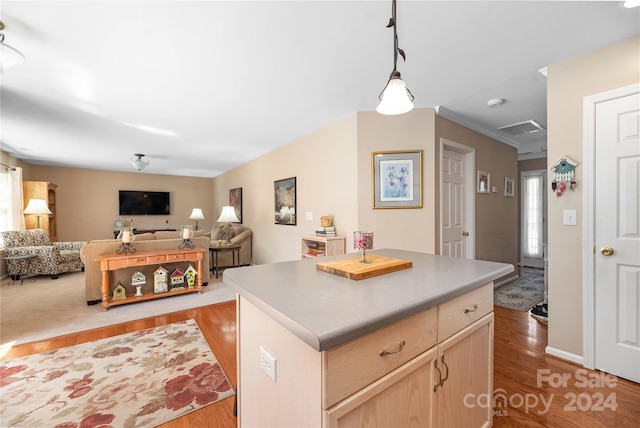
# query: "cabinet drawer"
464 310
156 259
175 257
354 365
131 262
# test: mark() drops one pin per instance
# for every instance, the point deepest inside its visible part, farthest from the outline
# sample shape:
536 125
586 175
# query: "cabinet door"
402 398
466 360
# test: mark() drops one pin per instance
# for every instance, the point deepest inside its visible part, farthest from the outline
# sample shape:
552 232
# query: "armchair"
52 258
240 235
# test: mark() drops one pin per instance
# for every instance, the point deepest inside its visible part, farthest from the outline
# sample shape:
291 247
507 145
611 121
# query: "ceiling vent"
526 127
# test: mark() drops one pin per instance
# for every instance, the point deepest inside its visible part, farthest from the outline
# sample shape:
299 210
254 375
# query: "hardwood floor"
519 356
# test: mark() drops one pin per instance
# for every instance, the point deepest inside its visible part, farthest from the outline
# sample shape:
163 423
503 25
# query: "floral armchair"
52 258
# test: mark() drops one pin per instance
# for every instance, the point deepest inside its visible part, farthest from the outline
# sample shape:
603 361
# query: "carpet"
137 379
48 308
522 294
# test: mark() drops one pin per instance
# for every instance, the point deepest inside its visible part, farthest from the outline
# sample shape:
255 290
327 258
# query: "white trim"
467 123
470 201
564 355
588 216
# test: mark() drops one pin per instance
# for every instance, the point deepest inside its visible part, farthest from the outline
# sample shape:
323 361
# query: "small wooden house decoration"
177 279
564 175
190 276
160 277
138 278
119 292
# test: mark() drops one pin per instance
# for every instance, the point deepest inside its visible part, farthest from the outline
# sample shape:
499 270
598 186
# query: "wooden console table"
109 262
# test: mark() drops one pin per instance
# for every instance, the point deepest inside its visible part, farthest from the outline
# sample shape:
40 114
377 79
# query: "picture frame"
509 187
396 179
235 200
484 182
284 193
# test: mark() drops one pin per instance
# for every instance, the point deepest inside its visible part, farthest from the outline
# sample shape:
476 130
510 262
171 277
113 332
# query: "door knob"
606 251
465 233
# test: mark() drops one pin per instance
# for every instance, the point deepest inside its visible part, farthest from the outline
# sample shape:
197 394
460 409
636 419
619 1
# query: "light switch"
570 217
309 215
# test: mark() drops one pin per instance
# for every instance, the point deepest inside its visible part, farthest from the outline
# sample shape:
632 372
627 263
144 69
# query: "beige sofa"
143 242
241 236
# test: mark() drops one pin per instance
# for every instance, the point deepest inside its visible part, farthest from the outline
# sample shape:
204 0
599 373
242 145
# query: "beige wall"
87 200
569 82
325 166
407 229
496 222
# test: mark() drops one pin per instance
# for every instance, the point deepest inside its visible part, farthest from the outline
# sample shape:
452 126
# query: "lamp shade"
228 215
9 56
37 206
395 98
196 214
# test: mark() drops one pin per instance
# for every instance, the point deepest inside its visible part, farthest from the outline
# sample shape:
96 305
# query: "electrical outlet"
268 363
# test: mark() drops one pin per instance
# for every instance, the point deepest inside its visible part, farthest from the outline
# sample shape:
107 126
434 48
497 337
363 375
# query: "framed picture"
285 201
509 184
235 200
484 181
397 179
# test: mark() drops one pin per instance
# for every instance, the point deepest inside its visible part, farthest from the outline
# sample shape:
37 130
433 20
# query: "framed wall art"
285 201
235 200
509 187
397 179
484 181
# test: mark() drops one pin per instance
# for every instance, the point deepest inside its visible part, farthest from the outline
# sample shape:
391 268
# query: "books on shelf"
325 231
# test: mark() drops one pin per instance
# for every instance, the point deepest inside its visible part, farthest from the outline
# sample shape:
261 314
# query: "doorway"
533 230
457 200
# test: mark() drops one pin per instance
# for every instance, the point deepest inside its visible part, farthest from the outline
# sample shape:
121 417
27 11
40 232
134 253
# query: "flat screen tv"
137 202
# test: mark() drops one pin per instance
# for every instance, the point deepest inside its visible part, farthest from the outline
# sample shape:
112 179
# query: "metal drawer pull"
467 310
439 383
446 367
395 351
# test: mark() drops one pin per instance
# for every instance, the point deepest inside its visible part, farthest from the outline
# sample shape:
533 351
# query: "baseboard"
578 359
505 281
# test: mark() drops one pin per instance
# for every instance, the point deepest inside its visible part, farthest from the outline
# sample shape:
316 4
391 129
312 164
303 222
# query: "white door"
456 216
617 236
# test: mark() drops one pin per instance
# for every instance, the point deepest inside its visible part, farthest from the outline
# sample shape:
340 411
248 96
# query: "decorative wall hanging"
484 181
509 187
235 200
397 179
563 175
284 192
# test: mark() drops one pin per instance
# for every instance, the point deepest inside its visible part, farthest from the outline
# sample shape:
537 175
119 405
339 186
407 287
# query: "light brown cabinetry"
46 191
320 246
428 369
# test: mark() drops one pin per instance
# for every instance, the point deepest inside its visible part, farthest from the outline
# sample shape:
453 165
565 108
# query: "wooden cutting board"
352 268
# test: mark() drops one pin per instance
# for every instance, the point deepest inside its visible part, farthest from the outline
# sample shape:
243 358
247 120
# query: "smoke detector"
526 127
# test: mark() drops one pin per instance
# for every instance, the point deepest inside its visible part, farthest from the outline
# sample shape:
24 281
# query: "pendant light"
9 56
395 98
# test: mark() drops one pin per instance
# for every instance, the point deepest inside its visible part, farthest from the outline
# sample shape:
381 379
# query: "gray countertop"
326 310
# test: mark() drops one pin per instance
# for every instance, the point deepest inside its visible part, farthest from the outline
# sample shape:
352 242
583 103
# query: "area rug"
522 294
137 379
62 303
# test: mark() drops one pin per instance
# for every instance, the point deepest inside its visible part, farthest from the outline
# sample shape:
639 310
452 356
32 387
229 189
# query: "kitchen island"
317 349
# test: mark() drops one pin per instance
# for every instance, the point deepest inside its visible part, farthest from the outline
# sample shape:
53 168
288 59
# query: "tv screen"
136 202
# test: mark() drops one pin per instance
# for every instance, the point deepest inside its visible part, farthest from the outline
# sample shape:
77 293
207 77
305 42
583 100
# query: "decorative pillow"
225 232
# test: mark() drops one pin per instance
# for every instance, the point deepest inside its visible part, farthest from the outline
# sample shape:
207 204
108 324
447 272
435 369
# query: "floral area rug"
137 379
522 294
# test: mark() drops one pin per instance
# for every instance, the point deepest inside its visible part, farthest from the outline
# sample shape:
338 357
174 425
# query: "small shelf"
150 295
319 246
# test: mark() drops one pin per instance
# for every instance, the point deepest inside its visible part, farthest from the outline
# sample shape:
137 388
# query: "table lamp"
227 215
37 207
196 215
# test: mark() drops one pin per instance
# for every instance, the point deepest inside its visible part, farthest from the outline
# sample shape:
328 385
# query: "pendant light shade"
395 98
9 56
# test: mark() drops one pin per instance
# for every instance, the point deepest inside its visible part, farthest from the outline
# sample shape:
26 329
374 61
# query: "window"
533 213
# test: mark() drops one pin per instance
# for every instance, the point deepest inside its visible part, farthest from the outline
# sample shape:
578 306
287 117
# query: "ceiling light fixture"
139 163
395 98
629 4
495 102
8 56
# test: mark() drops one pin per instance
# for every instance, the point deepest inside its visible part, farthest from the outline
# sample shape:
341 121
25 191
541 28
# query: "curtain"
532 206
11 203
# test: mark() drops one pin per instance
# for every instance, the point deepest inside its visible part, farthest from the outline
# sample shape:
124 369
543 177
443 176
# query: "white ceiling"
203 86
